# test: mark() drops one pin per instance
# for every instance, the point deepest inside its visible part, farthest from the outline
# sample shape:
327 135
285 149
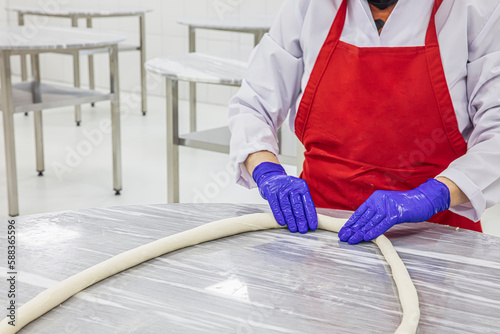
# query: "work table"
259 282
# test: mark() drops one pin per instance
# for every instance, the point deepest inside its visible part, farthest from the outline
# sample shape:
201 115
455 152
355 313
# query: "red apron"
377 118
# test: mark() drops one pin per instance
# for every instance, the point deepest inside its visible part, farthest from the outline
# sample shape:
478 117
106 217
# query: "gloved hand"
384 209
288 197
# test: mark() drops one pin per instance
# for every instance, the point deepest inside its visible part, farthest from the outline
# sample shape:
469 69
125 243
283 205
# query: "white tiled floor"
88 183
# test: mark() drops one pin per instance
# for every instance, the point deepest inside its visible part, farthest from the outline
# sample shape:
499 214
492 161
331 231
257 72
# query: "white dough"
57 294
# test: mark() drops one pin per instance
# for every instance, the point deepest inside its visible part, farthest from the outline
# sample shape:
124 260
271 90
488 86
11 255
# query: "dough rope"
54 296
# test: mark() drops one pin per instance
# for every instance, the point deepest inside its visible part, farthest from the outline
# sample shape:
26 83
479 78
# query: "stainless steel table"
89 13
256 25
259 282
36 96
202 68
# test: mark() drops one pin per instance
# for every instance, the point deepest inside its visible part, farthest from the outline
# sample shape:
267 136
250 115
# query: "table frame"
9 109
76 55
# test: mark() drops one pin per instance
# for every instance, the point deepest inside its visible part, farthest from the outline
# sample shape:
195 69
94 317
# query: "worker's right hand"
288 197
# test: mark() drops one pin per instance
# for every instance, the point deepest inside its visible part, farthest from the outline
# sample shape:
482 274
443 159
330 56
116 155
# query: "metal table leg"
76 74
91 64
258 36
115 119
35 68
24 67
144 87
300 157
24 70
172 141
192 85
280 138
8 130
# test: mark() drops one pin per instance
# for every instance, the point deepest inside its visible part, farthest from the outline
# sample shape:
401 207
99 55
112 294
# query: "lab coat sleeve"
269 90
477 173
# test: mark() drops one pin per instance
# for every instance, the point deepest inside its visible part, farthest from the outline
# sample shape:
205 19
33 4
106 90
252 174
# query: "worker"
397 104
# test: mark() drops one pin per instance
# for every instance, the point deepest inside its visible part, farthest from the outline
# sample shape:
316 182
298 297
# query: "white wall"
3 13
164 37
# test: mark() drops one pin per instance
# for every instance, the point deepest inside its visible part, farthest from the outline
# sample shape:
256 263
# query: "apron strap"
431 35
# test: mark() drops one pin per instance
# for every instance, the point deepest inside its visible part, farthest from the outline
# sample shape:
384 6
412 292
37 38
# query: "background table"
256 25
88 13
201 68
259 282
36 96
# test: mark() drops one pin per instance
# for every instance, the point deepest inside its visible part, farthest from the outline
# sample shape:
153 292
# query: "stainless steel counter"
260 282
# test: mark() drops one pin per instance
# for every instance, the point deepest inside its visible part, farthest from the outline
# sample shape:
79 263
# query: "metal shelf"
52 96
213 140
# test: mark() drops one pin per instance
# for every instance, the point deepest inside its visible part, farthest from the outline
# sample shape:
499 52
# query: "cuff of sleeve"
477 205
243 177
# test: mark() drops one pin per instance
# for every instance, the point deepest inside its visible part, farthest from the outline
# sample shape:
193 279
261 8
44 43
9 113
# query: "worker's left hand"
384 209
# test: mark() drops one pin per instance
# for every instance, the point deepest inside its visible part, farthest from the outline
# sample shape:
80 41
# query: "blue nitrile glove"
384 209
288 197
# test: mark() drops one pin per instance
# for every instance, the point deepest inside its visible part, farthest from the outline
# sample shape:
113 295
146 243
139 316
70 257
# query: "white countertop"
24 38
199 67
94 10
262 22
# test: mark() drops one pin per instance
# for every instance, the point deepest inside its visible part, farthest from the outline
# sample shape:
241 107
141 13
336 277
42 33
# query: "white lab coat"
468 33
